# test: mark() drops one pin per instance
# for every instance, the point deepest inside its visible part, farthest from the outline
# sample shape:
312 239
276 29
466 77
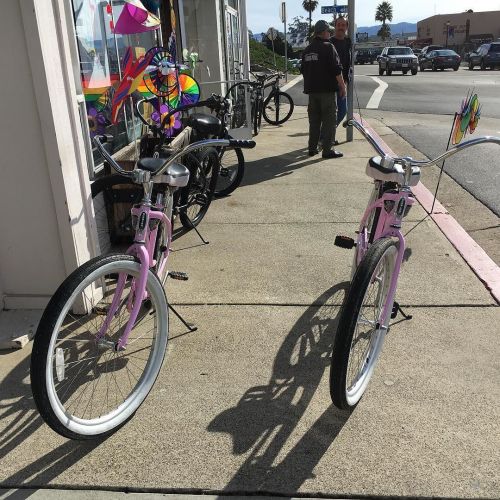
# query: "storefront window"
101 56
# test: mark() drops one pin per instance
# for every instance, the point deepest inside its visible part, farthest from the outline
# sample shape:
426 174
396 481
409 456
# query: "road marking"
291 83
376 97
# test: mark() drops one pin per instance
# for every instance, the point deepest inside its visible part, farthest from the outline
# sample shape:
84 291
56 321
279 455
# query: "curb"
475 257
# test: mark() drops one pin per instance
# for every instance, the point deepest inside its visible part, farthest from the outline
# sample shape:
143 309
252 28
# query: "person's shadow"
266 416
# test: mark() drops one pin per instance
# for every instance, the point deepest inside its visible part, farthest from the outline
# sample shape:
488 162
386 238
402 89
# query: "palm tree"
383 14
310 6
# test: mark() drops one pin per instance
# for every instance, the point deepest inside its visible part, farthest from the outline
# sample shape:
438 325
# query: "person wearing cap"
343 45
322 73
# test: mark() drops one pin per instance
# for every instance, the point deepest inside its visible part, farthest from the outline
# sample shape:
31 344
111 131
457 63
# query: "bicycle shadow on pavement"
273 167
266 416
17 404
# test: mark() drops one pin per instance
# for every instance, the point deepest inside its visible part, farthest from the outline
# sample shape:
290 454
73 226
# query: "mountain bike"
379 250
100 343
276 108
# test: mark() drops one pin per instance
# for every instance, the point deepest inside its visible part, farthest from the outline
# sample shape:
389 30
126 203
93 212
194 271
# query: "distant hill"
395 28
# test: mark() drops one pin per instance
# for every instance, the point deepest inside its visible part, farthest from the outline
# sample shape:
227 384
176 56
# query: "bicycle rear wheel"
361 329
278 108
232 168
196 197
82 386
257 115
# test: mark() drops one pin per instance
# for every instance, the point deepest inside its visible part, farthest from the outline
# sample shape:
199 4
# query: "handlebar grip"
236 143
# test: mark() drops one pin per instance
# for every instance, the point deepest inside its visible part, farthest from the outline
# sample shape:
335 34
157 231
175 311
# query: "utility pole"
283 18
350 88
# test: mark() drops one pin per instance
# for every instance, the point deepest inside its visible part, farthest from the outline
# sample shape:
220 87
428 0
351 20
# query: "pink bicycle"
379 250
100 343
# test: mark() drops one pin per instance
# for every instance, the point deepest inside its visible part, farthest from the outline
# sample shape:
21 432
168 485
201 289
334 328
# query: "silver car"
397 59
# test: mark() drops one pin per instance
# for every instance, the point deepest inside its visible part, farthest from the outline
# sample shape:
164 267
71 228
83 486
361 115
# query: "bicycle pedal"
344 242
178 275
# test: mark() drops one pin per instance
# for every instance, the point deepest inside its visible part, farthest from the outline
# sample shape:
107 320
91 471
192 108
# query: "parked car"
364 56
486 56
397 59
428 48
440 59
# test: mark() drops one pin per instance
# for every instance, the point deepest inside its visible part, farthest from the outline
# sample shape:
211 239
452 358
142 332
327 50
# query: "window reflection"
101 55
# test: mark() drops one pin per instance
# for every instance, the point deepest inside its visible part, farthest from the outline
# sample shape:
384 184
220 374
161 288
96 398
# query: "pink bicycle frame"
392 211
142 248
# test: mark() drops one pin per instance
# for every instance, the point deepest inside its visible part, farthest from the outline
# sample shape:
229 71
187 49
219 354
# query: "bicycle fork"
135 301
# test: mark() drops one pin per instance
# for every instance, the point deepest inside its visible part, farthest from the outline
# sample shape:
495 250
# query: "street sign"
272 33
334 9
283 12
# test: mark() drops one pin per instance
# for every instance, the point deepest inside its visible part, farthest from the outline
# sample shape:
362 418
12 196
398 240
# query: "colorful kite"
466 119
135 18
132 78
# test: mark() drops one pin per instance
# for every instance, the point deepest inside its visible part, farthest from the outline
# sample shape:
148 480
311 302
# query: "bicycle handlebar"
224 143
388 161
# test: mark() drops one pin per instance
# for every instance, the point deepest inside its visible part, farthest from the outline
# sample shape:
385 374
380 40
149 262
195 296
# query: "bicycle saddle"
151 164
375 170
205 124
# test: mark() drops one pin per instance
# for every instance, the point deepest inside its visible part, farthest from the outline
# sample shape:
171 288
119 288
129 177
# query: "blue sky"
265 13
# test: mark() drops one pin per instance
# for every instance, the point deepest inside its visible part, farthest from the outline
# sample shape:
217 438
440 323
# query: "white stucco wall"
45 229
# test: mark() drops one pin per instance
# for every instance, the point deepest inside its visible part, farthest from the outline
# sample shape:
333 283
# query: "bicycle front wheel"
278 108
83 387
361 329
232 168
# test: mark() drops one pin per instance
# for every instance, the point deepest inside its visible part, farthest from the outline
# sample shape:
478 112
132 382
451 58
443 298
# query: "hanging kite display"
163 78
187 91
132 78
466 119
161 74
135 18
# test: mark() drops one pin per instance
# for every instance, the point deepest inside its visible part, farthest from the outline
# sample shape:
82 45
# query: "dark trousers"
322 111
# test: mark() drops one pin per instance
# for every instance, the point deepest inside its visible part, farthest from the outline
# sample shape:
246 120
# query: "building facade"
61 56
462 31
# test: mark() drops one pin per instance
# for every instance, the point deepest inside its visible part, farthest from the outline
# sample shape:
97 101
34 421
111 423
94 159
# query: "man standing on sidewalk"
322 73
343 45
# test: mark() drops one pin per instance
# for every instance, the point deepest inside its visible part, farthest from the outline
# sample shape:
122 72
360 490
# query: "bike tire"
196 197
278 97
52 367
347 392
231 171
257 116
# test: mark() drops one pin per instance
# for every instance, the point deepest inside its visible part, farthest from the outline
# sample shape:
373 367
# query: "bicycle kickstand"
397 308
189 326
176 275
205 242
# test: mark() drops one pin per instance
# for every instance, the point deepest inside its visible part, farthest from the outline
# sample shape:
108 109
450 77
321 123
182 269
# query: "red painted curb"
475 257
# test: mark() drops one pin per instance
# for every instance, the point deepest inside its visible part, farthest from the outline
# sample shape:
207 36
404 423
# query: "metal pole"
286 43
350 88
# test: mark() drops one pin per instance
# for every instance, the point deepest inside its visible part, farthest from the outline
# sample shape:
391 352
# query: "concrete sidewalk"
242 405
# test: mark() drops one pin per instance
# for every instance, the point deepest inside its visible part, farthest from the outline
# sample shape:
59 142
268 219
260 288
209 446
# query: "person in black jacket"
322 73
343 45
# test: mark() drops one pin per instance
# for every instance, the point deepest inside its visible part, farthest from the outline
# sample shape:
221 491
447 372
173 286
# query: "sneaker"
313 152
336 143
332 154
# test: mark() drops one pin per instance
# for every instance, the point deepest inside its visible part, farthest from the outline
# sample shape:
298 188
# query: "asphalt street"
435 97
